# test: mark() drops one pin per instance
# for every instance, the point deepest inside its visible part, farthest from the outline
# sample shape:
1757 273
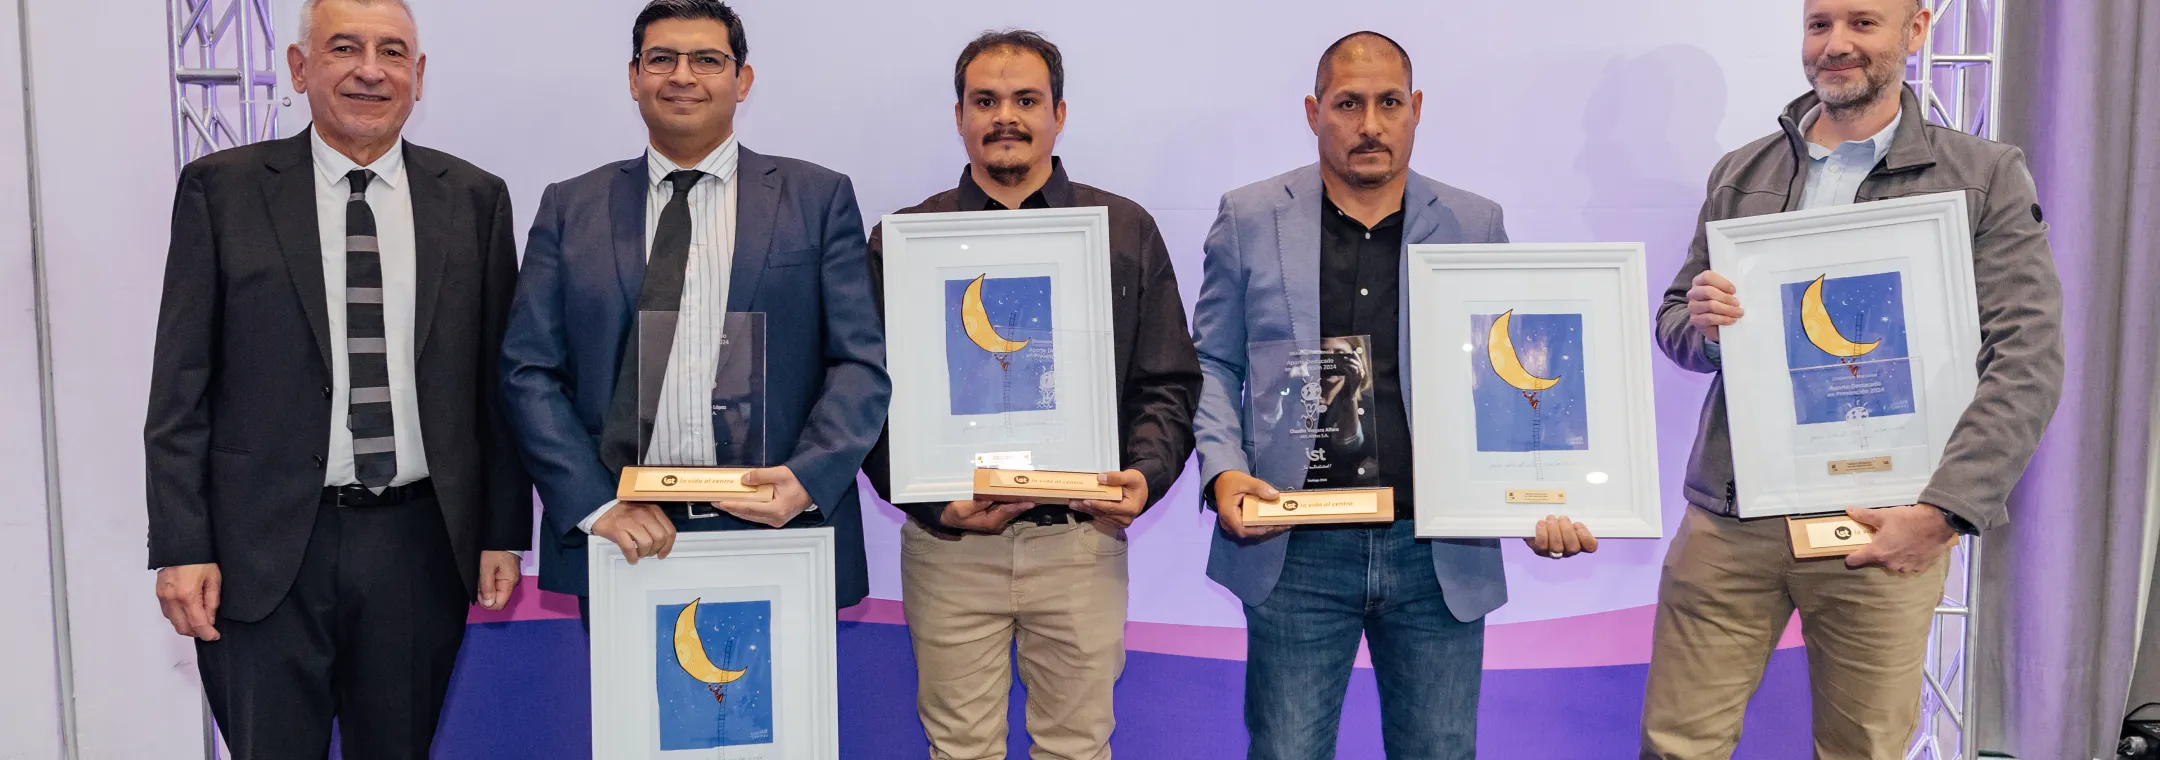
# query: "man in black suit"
330 478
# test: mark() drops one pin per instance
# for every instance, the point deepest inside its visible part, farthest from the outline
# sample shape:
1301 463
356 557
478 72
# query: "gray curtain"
2061 584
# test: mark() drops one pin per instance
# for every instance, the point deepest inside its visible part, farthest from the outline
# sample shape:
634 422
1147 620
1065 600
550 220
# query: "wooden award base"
1827 536
1327 505
1041 486
691 484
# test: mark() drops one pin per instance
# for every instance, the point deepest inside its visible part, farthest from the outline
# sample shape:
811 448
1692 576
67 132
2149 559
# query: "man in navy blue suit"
700 226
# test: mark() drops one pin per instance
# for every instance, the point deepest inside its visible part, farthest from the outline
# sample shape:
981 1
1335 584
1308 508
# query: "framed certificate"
1856 355
998 339
723 650
1530 369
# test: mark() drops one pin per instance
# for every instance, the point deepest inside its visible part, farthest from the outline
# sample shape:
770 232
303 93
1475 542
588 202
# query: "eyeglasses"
702 62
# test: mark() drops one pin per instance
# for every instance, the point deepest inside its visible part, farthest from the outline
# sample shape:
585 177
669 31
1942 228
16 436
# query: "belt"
1053 514
690 510
360 496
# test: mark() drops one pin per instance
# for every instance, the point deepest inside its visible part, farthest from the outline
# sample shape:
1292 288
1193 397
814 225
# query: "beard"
1878 74
1008 169
1366 177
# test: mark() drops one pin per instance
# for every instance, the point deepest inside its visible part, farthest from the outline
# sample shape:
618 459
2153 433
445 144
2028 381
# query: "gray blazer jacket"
1262 283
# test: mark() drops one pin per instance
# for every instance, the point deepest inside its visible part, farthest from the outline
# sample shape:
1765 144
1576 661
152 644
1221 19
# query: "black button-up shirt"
1360 283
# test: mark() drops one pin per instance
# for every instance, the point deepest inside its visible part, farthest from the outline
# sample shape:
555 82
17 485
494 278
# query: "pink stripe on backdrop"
1618 637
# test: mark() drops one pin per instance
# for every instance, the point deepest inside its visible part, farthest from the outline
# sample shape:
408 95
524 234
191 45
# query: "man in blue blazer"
1319 253
704 227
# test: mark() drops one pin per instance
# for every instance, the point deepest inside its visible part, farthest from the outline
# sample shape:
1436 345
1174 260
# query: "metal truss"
224 59
1959 81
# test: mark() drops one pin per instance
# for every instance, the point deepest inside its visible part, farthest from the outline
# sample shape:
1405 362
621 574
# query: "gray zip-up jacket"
2021 352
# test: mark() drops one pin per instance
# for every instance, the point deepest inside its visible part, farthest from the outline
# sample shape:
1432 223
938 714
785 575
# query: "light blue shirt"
1835 174
1834 177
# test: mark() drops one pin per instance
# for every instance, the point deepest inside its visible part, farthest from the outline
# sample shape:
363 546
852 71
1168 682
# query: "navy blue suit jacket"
799 259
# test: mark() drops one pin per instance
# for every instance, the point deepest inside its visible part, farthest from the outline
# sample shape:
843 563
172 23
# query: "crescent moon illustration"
1821 331
690 652
977 323
1500 348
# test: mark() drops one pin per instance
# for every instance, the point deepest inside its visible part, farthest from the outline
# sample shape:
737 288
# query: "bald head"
1361 46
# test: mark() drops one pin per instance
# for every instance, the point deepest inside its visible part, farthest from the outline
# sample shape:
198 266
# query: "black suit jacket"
239 420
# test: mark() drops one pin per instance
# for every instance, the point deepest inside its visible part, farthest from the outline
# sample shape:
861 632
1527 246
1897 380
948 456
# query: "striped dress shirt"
389 197
682 425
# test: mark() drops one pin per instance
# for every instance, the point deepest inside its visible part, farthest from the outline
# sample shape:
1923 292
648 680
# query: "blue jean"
1338 583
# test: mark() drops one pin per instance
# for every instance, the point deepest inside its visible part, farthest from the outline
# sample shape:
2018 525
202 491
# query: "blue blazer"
799 258
1262 284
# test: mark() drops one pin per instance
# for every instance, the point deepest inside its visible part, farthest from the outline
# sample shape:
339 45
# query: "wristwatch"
1958 524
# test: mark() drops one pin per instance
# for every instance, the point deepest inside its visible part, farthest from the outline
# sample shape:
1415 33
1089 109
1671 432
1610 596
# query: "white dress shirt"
682 426
389 198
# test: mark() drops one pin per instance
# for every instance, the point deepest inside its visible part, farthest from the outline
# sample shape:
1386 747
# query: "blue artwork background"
1549 345
1019 307
735 635
1865 308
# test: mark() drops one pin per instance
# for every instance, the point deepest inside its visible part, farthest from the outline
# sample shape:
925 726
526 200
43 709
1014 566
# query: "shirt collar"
720 163
1329 212
1880 143
389 170
1055 193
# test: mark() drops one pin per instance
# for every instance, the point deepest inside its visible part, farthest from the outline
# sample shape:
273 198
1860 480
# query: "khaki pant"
1060 591
1729 587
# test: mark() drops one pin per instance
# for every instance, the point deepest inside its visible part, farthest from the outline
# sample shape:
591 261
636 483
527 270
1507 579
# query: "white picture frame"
1787 451
734 577
940 427
1489 463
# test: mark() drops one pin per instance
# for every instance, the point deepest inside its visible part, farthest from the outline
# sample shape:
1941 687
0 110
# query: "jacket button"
318 461
326 391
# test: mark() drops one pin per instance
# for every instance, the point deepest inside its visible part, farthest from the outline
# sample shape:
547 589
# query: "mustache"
1368 145
1841 61
1008 133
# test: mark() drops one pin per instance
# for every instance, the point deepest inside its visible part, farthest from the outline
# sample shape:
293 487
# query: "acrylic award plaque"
703 427
1847 377
1311 412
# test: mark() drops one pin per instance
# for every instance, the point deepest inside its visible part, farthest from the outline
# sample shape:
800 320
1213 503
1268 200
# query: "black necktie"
367 408
665 269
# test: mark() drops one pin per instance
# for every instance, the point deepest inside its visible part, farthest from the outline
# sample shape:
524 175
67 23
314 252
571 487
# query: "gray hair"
307 17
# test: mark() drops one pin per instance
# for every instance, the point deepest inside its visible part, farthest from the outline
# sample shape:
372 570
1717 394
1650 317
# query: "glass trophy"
1310 417
701 409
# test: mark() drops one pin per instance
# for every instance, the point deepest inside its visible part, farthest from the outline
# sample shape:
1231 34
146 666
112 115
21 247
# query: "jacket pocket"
230 450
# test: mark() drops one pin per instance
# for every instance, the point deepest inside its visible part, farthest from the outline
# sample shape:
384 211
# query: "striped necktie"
367 363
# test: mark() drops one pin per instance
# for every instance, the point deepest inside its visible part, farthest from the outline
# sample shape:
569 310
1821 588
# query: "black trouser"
367 634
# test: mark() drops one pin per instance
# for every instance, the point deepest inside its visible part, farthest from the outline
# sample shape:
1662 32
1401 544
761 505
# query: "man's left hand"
499 574
1908 539
789 498
1117 514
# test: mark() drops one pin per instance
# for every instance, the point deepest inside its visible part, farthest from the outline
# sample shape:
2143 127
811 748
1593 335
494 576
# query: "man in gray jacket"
1730 585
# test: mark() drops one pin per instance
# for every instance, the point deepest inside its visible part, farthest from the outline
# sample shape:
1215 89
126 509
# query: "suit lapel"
1297 231
757 202
290 195
1423 220
626 211
436 230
